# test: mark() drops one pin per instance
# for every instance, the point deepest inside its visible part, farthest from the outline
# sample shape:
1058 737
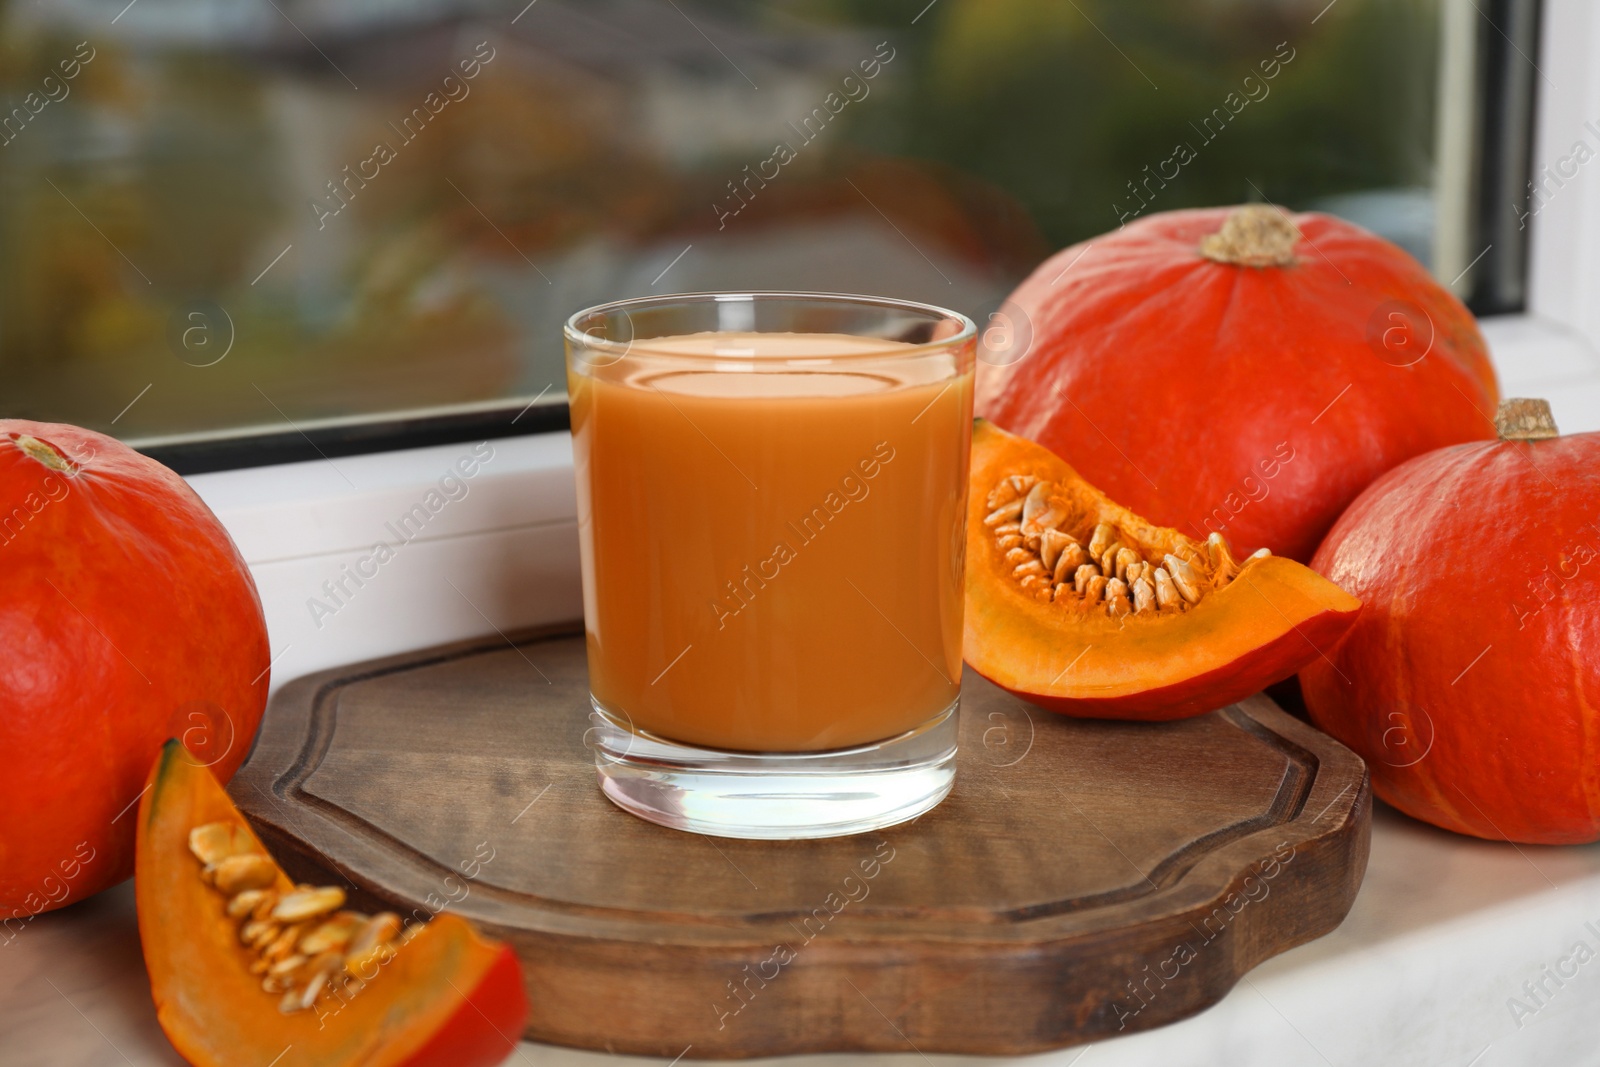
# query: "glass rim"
904 350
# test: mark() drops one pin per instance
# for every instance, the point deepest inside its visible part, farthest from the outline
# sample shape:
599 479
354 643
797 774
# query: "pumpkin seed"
1035 504
1009 489
238 873
308 903
1007 513
1103 537
373 945
333 934
1125 558
1144 596
1031 569
379 930
286 967
1081 576
1223 566
313 989
1072 557
283 945
1184 577
216 841
1051 544
258 933
244 903
328 963
1167 595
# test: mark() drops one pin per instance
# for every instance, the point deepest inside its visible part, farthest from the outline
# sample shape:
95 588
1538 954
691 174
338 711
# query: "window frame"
1491 42
205 453
308 502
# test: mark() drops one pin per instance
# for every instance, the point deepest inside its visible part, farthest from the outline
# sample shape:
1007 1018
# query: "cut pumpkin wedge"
1080 606
232 947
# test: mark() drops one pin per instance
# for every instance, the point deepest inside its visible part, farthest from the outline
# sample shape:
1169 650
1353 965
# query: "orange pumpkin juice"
772 552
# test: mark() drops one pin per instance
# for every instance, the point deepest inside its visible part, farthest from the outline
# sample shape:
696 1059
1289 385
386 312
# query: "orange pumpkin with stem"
1471 683
126 617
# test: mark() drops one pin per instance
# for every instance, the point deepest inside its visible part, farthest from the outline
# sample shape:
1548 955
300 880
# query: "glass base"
775 796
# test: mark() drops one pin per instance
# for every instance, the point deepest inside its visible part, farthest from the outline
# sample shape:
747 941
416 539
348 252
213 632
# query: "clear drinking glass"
771 501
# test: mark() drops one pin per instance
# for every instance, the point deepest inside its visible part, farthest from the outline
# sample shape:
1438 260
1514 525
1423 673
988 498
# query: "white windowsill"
1540 358
502 554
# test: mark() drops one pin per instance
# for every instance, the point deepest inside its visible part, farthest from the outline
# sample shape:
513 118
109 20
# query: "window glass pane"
229 213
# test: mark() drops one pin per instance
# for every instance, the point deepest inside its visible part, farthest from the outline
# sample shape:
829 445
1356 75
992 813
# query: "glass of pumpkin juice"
771 498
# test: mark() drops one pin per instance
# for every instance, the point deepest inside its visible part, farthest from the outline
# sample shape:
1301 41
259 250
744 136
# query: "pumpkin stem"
1255 235
42 451
1521 419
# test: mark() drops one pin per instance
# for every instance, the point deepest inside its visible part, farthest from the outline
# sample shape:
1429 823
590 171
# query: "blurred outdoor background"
169 237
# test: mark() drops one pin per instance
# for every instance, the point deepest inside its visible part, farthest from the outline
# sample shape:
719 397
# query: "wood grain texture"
1083 878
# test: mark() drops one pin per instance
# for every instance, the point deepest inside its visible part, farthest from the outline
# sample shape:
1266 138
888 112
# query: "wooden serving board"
1083 878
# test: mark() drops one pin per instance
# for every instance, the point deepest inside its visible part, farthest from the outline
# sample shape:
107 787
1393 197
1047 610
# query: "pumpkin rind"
446 997
1263 626
1471 683
1141 349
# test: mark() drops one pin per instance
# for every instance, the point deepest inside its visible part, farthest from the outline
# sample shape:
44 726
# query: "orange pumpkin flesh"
1471 684
1075 658
444 997
1329 354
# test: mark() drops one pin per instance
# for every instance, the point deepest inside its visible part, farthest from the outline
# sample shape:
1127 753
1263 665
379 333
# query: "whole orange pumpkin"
1236 370
126 617
1471 680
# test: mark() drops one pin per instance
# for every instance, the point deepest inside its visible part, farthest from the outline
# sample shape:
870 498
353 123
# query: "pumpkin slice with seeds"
1080 606
248 967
